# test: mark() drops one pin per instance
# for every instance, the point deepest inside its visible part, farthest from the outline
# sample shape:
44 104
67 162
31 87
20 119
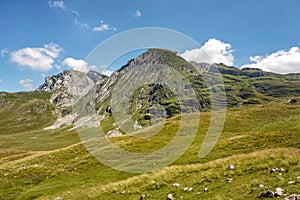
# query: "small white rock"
170 197
261 186
230 167
279 191
229 180
281 169
205 189
291 182
176 185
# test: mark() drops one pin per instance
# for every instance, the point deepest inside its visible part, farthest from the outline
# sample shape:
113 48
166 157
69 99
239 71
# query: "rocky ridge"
242 86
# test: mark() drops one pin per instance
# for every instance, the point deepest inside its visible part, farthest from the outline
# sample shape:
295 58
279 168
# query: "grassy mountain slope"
242 86
72 173
23 116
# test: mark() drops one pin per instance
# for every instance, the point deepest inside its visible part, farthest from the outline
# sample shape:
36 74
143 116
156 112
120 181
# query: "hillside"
248 131
42 156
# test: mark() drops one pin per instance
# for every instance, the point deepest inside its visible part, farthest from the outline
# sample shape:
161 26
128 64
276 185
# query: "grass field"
40 164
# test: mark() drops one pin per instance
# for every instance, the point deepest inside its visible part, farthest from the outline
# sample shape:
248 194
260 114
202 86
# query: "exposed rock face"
68 86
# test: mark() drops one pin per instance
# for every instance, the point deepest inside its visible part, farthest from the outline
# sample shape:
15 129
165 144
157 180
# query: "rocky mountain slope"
151 102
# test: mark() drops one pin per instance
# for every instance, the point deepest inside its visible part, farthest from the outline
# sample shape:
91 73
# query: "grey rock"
278 192
267 193
293 197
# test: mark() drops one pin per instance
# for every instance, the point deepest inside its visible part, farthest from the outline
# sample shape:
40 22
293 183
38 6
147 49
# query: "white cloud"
38 59
26 83
61 5
282 61
57 4
79 65
3 52
137 13
74 12
0 80
81 24
213 51
103 27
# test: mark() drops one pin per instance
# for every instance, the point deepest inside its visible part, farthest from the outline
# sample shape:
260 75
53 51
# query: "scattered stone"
176 185
198 193
298 177
187 189
58 198
261 186
229 180
278 192
274 169
293 197
293 101
267 193
170 197
123 192
230 167
291 182
157 185
144 196
281 169
205 189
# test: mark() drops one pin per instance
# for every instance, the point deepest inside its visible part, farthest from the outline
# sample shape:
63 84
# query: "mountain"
150 103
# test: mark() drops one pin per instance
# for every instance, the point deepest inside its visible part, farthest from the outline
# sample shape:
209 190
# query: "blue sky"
263 34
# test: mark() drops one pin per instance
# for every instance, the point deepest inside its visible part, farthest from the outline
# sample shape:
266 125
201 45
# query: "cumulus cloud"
213 51
282 61
38 59
103 27
81 24
3 52
137 14
79 65
61 5
0 80
26 83
57 4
